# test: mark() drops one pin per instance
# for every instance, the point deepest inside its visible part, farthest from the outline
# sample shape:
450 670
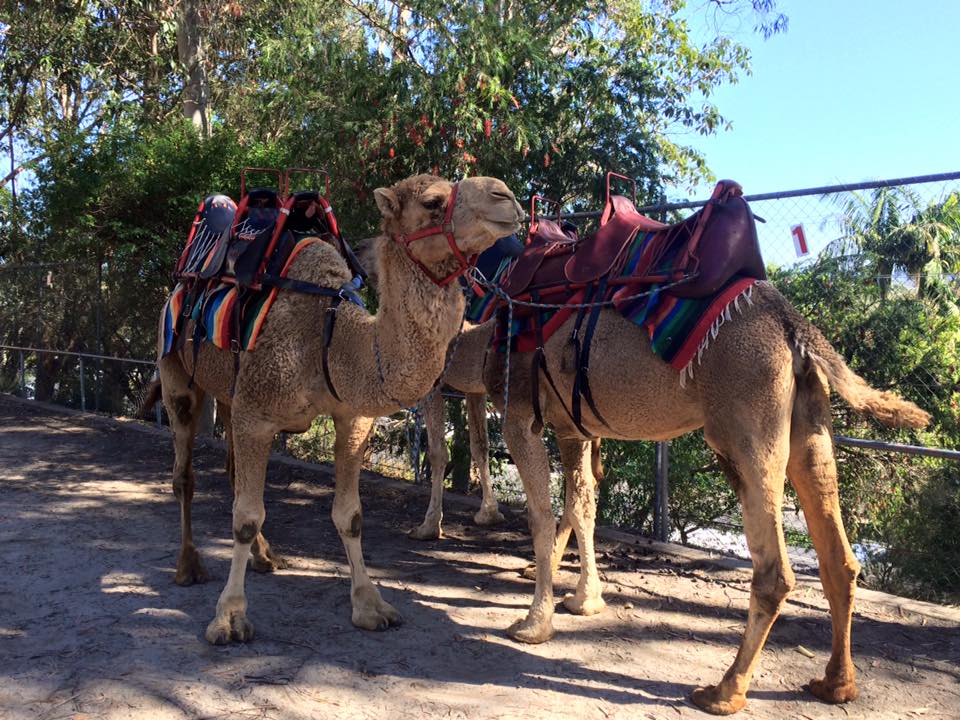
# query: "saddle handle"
281 189
289 172
608 205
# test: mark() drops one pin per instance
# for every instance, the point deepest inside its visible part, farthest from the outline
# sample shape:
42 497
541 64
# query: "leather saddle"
712 245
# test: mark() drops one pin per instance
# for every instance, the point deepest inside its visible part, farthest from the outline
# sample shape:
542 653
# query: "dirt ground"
92 625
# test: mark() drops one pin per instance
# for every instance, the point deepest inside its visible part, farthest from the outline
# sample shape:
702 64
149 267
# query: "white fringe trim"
724 316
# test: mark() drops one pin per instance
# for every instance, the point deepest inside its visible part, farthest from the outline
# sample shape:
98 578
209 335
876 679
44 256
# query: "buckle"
447 227
235 346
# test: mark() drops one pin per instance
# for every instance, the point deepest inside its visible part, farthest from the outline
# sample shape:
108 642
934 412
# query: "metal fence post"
156 407
23 376
661 513
415 444
83 392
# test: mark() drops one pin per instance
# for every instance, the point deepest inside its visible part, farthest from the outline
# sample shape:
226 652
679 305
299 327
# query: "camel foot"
372 612
530 631
426 531
190 569
231 626
487 516
712 701
264 560
832 692
584 605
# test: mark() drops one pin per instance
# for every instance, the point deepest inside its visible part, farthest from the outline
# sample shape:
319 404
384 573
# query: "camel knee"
183 484
771 586
348 521
847 571
247 524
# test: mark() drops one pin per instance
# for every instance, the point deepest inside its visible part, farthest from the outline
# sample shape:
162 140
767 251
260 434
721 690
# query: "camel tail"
887 407
151 395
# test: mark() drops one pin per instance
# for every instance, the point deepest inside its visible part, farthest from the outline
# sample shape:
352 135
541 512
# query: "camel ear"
388 202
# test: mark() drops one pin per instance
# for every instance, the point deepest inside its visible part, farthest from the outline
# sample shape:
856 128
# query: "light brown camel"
376 364
761 396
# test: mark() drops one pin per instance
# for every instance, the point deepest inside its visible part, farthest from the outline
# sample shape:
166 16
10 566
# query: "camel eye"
434 202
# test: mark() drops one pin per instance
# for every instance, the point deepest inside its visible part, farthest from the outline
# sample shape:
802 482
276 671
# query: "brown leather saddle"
695 257
716 243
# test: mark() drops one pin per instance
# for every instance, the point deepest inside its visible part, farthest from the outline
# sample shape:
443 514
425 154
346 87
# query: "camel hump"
320 263
811 346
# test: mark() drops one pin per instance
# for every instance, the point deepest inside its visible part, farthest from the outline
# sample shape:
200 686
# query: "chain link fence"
873 265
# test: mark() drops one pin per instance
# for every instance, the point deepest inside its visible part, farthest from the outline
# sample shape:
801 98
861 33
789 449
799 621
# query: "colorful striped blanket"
680 329
214 311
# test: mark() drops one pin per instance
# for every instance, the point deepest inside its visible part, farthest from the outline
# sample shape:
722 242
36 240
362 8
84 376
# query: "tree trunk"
190 51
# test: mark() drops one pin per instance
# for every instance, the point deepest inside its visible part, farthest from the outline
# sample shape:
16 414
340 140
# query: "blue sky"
854 90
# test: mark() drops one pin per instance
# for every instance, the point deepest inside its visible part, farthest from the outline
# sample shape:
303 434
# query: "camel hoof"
371 612
232 627
584 605
833 693
427 531
267 563
485 517
710 700
529 572
530 632
190 569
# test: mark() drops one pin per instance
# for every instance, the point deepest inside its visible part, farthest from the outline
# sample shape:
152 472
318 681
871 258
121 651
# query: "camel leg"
434 420
562 538
564 528
251 447
370 611
489 513
756 463
580 506
530 455
262 559
183 405
812 471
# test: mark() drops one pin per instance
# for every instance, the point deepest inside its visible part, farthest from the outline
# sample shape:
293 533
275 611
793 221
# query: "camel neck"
415 323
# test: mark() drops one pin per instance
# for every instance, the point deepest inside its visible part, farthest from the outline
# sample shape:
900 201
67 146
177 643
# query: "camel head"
438 237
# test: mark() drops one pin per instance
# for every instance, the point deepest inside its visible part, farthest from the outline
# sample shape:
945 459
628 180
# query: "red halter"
445 229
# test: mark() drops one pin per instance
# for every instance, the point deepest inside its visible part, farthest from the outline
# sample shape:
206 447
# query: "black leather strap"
329 321
583 366
576 412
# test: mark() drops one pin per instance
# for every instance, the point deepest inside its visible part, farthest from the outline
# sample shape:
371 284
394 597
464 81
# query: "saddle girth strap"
583 366
576 413
329 321
235 318
540 363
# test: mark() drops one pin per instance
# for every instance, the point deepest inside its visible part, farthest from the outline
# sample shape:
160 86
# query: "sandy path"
92 625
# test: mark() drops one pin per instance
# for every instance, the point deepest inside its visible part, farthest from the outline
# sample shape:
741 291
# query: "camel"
761 395
377 364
